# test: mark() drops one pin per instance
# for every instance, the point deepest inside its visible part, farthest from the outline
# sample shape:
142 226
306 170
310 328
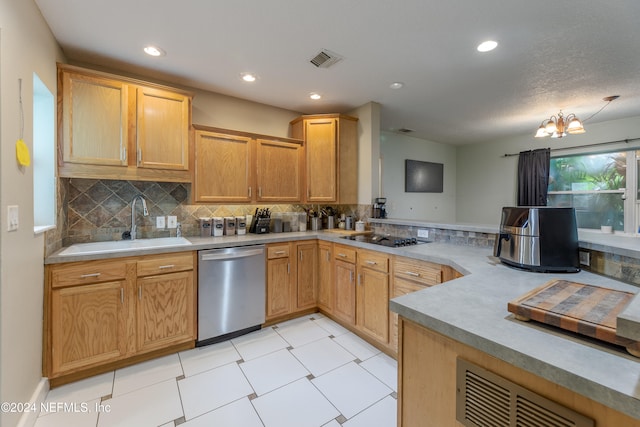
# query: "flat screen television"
423 177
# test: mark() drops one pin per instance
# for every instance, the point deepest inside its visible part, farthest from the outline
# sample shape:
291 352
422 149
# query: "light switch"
172 221
12 218
160 222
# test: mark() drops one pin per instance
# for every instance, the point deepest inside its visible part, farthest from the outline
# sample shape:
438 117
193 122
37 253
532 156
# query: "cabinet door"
321 155
94 120
306 275
88 325
165 310
401 287
278 287
373 303
345 291
222 168
278 171
162 129
325 277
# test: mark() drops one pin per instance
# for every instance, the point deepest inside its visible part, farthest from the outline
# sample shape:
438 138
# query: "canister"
359 225
217 226
229 225
302 221
348 224
241 225
205 227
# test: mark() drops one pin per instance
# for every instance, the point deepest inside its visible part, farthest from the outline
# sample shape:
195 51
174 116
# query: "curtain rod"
626 141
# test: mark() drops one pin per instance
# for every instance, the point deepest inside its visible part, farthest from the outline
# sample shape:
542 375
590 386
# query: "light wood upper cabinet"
223 170
331 157
95 119
113 127
163 129
278 171
239 167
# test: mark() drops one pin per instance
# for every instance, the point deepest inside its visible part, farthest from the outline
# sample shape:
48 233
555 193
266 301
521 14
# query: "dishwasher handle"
231 255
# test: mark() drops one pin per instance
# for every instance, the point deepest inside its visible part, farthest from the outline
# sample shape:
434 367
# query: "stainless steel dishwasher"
231 292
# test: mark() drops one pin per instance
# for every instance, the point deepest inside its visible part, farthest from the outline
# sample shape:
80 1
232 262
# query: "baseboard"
29 418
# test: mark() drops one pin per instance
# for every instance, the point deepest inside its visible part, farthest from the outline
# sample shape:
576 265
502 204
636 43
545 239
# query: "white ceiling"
552 55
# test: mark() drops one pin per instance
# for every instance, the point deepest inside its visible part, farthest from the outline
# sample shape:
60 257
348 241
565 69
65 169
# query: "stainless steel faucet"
145 212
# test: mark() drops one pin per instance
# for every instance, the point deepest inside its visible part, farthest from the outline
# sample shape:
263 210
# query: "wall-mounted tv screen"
423 177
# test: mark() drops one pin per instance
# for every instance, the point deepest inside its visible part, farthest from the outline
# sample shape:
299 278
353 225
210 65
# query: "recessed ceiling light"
249 77
154 51
396 85
315 96
487 46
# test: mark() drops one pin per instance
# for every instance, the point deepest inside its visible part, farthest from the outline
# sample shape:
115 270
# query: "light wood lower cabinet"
101 312
345 283
427 382
372 292
278 280
292 277
325 277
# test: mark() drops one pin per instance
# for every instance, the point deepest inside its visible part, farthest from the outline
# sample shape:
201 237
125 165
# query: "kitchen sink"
123 245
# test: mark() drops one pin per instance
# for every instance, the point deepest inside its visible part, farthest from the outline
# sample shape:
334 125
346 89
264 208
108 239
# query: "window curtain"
533 177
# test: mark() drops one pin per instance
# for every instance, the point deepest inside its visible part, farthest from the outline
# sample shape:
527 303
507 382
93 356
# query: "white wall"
368 151
487 180
213 109
26 46
395 149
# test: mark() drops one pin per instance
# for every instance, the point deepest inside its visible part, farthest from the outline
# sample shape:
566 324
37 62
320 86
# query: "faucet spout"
145 212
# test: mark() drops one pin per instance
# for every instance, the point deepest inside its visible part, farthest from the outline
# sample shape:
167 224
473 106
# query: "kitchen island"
472 312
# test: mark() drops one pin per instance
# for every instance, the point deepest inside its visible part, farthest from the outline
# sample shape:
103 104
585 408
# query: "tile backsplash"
91 210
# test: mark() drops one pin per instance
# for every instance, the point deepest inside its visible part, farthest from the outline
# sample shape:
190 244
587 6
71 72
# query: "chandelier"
557 127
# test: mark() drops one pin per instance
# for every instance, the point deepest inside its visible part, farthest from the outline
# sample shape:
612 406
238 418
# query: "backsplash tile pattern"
457 237
91 210
615 266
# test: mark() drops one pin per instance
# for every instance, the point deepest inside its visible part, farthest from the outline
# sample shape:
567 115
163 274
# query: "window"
596 185
44 182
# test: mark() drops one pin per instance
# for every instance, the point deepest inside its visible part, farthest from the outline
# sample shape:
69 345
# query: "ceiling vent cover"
488 400
405 130
325 59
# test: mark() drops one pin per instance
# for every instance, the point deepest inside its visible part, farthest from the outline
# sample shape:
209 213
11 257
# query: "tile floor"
306 372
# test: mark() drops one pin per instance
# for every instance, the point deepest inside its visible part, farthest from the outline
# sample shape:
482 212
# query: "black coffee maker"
379 208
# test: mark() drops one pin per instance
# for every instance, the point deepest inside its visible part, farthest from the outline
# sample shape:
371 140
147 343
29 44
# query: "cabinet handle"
411 273
162 267
249 191
300 255
351 276
86 276
280 252
342 255
371 262
139 156
288 268
123 154
328 256
360 279
122 295
140 293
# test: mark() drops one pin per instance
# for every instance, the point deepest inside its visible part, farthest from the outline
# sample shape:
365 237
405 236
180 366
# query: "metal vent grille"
325 59
488 400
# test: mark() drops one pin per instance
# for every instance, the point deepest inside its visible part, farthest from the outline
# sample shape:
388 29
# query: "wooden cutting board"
585 309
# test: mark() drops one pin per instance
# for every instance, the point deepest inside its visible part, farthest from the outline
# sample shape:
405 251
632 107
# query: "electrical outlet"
12 218
160 222
172 221
423 234
585 258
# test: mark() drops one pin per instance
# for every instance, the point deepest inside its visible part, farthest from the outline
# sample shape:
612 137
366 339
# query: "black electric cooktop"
383 240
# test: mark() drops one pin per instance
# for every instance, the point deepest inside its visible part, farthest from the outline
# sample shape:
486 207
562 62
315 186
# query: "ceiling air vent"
325 59
405 130
488 400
